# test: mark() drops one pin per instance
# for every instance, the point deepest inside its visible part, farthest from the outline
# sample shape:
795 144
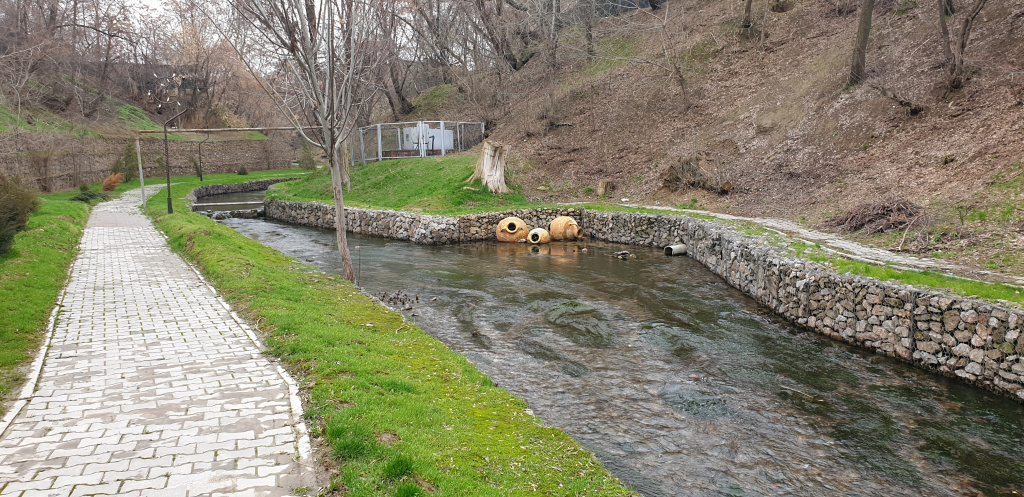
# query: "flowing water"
679 383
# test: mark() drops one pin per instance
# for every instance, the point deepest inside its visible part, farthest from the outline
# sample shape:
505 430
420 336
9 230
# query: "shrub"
17 201
242 171
306 160
112 182
89 196
127 164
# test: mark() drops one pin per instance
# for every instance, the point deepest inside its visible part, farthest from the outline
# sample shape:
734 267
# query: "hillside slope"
773 117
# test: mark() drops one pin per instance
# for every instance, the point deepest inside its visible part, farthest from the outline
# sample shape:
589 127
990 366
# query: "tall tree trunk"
553 61
944 12
340 220
857 73
588 24
402 105
958 70
748 22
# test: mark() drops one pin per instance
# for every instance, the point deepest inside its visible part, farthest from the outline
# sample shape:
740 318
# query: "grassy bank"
432 184
32 273
401 414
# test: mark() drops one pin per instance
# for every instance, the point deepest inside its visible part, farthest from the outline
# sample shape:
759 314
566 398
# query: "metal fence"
414 139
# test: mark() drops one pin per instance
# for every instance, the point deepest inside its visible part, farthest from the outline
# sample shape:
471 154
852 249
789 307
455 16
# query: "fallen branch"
907 231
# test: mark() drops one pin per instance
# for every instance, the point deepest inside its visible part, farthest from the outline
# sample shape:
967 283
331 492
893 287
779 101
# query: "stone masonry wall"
220 189
57 163
976 341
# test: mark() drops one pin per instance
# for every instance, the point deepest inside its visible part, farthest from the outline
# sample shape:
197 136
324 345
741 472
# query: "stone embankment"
248 186
976 341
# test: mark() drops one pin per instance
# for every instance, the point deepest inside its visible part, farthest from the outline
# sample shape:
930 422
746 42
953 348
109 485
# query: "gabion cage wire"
414 139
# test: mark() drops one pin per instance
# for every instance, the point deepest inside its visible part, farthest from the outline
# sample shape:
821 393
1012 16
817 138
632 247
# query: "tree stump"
490 169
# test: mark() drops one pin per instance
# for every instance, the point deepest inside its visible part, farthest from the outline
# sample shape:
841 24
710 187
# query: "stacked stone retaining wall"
57 163
220 189
976 341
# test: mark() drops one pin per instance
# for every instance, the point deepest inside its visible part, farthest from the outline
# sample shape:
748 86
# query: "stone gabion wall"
248 186
976 341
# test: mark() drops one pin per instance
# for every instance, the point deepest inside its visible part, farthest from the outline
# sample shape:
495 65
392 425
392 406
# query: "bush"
17 201
112 182
127 165
242 171
90 196
306 160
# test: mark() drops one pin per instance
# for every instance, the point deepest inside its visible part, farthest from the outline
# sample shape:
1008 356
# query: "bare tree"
324 49
860 47
748 21
399 52
666 21
954 48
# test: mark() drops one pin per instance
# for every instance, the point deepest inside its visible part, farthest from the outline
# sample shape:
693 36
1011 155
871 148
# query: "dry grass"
112 182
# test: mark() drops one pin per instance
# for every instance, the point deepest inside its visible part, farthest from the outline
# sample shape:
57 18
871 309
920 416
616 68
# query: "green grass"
136 118
431 101
43 122
431 184
932 279
611 53
32 274
367 372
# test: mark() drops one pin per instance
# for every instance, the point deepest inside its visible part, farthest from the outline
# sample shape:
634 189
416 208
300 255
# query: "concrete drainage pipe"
675 249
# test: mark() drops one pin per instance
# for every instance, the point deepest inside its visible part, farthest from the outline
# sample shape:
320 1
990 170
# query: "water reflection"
680 384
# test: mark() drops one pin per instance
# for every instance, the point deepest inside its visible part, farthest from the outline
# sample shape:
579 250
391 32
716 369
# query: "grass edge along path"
400 413
32 275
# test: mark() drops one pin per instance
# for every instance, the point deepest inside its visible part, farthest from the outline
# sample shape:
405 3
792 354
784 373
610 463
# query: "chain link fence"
414 139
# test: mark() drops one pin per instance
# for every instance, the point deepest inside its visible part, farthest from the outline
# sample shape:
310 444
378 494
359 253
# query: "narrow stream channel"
680 384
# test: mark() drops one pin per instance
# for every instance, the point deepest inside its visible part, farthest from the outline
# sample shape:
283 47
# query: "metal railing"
414 139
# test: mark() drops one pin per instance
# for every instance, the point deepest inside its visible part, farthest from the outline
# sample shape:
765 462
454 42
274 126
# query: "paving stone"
147 376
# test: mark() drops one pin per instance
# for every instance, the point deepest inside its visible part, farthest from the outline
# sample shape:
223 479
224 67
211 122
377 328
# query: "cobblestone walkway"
150 386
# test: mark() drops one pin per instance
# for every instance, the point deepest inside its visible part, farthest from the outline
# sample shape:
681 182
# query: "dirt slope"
776 115
773 116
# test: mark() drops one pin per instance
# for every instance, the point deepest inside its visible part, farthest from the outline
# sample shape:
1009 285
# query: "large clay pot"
565 228
538 236
512 229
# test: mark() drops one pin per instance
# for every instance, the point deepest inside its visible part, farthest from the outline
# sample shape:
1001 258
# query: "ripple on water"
681 385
